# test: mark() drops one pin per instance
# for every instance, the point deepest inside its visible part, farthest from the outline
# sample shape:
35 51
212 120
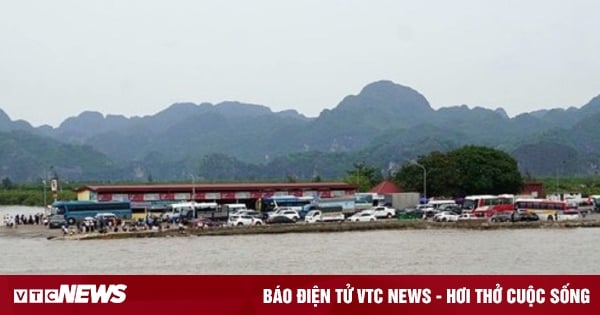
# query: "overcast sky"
135 58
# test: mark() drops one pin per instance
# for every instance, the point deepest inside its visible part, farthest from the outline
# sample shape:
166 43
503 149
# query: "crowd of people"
105 225
100 225
14 221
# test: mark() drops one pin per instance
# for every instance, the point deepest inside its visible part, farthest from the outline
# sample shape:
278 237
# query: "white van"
330 214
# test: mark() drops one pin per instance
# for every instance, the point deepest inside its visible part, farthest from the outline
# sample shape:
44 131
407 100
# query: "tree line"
469 170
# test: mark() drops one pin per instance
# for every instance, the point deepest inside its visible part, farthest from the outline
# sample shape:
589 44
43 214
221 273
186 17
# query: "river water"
522 251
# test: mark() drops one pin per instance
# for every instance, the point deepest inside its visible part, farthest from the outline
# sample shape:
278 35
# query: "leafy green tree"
7 183
366 177
486 170
468 170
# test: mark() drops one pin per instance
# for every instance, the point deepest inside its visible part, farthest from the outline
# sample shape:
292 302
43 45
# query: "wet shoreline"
41 231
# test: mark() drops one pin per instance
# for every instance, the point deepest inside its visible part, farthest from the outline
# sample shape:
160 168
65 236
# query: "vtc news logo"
73 293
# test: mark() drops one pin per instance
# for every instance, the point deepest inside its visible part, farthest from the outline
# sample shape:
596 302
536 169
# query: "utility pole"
557 179
44 183
193 187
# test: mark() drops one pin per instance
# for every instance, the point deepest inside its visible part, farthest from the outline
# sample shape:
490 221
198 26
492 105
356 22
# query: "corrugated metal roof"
218 187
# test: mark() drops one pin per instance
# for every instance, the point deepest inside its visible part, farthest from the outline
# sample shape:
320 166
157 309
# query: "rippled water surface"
524 251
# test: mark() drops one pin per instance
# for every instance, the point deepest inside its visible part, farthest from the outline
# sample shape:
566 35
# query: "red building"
535 189
386 187
148 195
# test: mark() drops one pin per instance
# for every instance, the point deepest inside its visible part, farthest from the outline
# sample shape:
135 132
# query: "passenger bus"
188 210
488 205
268 204
545 209
75 211
346 204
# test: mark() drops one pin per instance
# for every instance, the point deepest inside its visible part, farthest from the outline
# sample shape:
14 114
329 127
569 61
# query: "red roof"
386 187
218 187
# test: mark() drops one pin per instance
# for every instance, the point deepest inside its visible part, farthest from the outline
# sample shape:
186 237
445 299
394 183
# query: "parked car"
57 222
383 212
252 213
501 217
279 219
424 207
410 214
239 220
570 214
525 216
430 213
324 215
290 213
450 207
467 216
363 216
446 216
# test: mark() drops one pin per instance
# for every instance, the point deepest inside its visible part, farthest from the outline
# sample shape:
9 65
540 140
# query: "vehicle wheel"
71 221
258 223
372 220
443 219
550 218
389 215
294 219
494 220
240 224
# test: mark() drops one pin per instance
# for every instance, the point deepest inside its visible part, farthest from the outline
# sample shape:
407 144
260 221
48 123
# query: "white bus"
546 209
188 210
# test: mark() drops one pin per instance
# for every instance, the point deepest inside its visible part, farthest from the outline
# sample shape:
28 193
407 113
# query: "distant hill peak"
593 105
387 94
4 117
179 108
235 108
388 90
501 112
83 119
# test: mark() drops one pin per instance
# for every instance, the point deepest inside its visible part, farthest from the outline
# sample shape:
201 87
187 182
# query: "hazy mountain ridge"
384 124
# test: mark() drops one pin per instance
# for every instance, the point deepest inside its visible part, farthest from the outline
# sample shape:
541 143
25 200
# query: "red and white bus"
488 205
546 209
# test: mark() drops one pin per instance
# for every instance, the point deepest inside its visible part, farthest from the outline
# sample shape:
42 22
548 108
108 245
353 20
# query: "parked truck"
325 214
402 200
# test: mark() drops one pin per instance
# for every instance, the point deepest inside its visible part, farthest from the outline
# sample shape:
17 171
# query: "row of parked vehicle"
453 213
449 216
253 217
247 217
